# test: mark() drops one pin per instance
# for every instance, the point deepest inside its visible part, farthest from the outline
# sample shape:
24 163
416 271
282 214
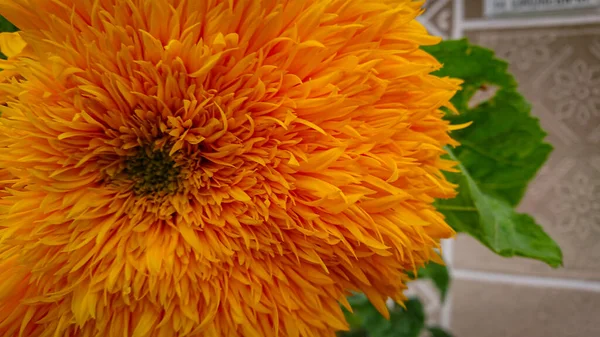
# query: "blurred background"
553 47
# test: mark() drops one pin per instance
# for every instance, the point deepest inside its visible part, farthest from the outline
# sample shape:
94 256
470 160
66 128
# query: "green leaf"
6 26
367 321
360 307
504 148
438 332
495 223
499 154
438 274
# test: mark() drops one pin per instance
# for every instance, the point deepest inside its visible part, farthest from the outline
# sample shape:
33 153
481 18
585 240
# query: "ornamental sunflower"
214 168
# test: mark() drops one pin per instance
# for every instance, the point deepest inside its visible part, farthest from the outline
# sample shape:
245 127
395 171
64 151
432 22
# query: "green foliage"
499 154
438 274
6 26
366 320
438 332
504 147
495 223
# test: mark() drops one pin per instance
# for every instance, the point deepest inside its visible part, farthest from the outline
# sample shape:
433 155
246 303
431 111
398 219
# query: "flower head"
214 168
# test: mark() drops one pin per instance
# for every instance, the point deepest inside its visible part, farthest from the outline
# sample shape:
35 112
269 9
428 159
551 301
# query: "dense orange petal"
215 168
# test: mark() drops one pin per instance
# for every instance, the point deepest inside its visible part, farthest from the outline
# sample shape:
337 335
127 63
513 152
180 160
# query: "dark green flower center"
153 171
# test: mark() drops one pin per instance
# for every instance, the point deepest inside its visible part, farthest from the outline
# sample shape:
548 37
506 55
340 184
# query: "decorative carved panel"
438 17
558 70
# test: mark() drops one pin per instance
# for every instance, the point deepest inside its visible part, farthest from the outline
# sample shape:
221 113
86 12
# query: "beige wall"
556 59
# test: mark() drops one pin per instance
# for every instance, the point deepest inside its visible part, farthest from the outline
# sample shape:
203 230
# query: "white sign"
504 7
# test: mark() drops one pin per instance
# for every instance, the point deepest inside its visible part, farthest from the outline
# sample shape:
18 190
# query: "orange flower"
215 168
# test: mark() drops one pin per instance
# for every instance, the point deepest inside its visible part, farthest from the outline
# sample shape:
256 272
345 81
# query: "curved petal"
11 44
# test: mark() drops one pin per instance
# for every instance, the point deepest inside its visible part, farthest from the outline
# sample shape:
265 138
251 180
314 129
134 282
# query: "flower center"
153 171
